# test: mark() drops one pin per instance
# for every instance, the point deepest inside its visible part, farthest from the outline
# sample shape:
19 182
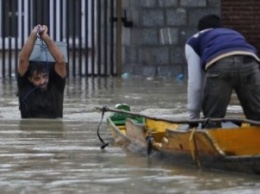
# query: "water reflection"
41 128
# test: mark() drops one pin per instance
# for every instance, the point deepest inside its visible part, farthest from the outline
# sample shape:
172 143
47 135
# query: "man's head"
209 21
39 75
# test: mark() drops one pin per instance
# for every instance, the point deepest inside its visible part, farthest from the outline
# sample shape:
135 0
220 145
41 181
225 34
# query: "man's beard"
42 87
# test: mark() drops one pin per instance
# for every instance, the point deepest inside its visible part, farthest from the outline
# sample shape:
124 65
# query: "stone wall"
154 46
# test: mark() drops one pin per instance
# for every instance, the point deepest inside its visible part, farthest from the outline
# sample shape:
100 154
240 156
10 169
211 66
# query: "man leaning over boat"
219 61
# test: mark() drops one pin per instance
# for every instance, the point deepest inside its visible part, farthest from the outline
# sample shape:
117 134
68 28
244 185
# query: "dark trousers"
238 73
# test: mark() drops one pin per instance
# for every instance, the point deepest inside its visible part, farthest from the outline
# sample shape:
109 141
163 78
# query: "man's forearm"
26 53
28 47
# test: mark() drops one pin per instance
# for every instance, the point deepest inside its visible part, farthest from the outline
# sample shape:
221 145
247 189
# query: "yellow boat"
230 148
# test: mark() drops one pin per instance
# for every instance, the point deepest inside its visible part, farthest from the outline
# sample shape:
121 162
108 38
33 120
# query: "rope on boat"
149 140
184 121
102 141
193 148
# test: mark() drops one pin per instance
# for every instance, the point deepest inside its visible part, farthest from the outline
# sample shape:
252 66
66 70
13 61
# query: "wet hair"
209 21
38 67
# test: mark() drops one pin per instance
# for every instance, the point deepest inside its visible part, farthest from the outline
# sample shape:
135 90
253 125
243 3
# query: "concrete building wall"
154 46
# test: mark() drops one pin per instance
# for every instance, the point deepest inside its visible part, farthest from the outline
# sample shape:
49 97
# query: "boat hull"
132 139
248 165
231 148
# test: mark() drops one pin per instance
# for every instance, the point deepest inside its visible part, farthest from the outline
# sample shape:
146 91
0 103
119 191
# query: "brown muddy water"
64 155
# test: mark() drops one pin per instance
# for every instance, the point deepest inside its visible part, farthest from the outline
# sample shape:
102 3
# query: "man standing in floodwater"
41 84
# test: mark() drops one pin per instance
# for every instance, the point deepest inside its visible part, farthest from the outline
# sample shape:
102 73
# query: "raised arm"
23 62
60 65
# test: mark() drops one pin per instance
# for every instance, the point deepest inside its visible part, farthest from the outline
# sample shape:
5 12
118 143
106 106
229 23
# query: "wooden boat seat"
119 122
229 125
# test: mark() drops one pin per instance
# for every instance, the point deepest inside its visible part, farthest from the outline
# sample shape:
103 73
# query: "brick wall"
244 16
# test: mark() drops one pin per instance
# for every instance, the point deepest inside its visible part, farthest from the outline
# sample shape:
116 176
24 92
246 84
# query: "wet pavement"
64 155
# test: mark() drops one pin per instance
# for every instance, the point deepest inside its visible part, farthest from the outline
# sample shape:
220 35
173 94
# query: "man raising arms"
41 84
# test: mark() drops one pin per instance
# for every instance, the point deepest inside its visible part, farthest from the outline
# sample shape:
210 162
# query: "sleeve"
195 82
22 82
58 81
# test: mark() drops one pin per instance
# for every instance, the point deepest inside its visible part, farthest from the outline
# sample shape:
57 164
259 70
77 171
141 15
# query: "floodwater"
63 156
